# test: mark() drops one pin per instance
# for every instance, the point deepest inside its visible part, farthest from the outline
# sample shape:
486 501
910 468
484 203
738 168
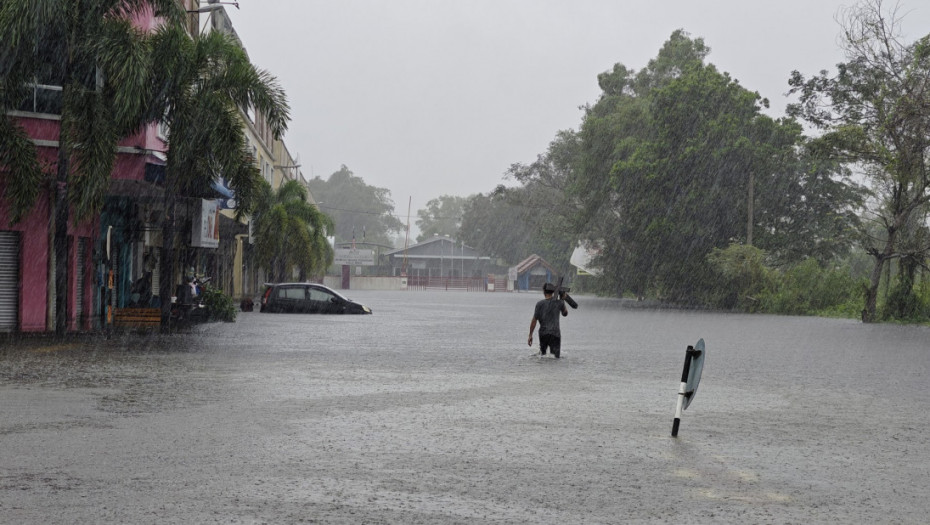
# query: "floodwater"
434 410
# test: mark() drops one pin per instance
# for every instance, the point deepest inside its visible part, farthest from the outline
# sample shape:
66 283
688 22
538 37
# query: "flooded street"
434 410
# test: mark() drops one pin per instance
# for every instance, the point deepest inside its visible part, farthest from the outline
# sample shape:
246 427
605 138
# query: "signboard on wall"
205 228
354 257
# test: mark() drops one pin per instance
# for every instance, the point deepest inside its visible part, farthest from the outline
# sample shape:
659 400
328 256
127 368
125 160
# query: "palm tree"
100 60
291 233
200 86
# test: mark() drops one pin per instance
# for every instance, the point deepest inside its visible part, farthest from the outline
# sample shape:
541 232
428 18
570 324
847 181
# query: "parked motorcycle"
187 306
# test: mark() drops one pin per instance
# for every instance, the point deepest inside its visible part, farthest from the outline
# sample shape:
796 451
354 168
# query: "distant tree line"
692 195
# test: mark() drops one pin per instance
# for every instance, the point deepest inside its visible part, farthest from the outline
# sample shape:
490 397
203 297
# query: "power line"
322 206
359 211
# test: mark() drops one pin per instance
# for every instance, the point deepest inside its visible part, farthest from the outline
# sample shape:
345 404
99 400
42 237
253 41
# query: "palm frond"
170 10
231 72
93 145
19 169
123 53
23 26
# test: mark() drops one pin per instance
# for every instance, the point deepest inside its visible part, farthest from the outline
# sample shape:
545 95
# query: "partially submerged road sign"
690 379
694 373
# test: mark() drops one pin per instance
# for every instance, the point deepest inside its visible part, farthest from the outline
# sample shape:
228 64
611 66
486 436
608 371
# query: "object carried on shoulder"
562 291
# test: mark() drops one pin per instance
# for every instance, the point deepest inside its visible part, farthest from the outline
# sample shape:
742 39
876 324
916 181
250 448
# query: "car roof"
318 286
314 285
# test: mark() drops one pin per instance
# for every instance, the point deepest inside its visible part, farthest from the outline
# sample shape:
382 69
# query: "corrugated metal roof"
531 262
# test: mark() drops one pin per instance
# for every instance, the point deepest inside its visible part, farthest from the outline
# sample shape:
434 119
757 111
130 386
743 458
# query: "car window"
320 295
291 293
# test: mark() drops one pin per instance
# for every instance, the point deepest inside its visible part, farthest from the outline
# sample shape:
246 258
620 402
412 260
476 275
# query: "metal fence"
472 284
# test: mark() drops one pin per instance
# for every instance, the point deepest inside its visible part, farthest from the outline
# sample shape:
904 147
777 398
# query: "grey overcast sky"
433 97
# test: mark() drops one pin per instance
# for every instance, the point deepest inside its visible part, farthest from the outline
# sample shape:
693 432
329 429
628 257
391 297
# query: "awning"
227 196
220 187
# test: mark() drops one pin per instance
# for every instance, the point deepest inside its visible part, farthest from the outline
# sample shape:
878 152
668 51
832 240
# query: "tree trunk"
61 209
871 294
749 220
50 270
166 279
280 271
875 279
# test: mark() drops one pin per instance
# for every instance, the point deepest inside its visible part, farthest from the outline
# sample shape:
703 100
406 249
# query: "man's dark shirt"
547 312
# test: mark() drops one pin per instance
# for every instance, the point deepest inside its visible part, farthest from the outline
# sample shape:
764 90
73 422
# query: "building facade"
114 257
439 257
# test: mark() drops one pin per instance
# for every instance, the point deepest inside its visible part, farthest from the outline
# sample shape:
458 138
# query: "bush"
744 282
907 301
741 277
809 289
220 306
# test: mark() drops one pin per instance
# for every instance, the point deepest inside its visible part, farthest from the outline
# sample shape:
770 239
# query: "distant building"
533 272
439 257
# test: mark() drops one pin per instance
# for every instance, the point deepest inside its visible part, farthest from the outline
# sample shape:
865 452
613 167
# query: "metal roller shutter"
81 267
9 280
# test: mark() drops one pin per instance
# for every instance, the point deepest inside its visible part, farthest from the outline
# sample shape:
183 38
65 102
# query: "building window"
44 93
42 98
162 131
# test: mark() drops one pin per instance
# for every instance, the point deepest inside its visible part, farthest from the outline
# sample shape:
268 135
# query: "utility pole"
749 220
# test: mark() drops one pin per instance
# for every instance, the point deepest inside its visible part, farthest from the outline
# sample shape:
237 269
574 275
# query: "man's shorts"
552 342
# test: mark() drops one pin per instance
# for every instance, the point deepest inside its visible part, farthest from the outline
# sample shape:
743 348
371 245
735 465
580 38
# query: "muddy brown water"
434 410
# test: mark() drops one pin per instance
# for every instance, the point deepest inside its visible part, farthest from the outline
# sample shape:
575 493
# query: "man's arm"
529 341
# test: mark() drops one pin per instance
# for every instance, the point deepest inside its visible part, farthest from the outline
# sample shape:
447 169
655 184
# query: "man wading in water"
547 313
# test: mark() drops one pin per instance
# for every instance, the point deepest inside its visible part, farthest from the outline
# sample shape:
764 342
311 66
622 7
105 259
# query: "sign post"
690 378
348 257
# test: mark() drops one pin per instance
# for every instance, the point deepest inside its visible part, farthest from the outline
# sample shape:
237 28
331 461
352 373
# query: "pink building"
26 262
26 247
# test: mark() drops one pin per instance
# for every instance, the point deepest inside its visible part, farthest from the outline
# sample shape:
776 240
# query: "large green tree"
291 233
547 206
875 112
199 88
534 217
442 216
359 211
677 160
91 49
495 225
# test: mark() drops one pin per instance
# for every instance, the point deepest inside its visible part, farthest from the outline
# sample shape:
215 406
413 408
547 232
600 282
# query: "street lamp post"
213 5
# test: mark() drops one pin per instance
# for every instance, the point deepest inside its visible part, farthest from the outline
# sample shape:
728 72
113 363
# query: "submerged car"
308 298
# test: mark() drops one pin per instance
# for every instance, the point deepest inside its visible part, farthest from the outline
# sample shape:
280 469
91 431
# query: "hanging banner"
205 229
